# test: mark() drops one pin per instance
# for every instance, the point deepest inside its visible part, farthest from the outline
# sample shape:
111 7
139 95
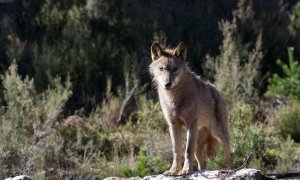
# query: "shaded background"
93 40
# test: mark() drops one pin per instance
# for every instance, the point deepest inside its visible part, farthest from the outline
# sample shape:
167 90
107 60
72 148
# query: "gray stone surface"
204 174
21 177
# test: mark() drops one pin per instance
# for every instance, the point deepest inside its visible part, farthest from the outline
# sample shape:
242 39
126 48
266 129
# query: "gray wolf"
189 103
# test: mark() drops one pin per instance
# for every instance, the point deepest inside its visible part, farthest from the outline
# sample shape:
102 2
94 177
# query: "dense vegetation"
76 98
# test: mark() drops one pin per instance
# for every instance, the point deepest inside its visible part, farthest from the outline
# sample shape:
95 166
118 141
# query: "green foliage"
289 84
145 166
288 121
150 110
111 150
296 16
236 68
285 156
97 44
273 153
243 126
73 43
93 39
27 123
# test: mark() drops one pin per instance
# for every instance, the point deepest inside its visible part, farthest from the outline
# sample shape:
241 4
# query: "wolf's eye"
174 69
161 68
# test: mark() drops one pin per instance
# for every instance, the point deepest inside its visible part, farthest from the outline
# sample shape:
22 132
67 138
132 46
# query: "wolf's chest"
174 113
175 106
172 108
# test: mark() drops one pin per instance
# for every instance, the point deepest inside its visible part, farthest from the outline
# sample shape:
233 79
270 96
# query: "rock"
21 177
204 174
247 173
119 178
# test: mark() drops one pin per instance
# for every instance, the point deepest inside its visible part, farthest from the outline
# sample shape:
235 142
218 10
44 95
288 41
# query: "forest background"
76 98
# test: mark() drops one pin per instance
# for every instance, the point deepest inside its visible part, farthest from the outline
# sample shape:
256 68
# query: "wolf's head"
168 65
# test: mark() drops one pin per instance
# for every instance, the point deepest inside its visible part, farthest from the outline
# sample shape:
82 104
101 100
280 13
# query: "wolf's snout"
168 85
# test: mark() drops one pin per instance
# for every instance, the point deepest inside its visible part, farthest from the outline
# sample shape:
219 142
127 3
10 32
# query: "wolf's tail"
222 122
211 146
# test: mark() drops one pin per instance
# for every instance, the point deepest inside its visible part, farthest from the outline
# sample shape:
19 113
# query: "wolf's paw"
184 172
171 172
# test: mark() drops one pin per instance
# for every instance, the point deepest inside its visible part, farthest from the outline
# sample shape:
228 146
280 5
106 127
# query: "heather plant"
28 135
285 155
274 153
146 165
102 150
236 69
148 119
288 121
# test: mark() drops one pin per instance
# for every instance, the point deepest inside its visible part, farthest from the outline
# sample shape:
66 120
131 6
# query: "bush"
140 147
289 84
288 121
236 68
272 153
285 156
29 140
145 165
295 21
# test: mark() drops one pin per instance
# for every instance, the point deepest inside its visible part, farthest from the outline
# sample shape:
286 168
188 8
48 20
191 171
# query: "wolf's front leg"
176 138
191 141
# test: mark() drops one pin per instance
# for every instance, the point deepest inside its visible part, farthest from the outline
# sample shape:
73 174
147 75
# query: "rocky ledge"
21 177
204 174
241 174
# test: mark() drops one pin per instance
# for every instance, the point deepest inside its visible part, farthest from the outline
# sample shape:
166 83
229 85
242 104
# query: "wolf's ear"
180 51
156 51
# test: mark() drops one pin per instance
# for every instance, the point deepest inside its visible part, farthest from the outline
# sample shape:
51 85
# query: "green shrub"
289 84
145 166
295 22
288 121
285 156
272 153
237 68
148 120
150 115
111 151
29 140
264 151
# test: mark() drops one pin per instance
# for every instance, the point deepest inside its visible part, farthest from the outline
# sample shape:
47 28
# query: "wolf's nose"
168 85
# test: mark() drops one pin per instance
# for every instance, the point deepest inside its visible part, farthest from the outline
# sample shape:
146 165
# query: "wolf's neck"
180 91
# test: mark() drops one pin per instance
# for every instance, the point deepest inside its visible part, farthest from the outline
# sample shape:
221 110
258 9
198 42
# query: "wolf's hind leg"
199 154
222 136
226 148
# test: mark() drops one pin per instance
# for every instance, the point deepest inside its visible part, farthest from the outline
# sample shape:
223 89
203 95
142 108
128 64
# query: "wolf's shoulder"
203 81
